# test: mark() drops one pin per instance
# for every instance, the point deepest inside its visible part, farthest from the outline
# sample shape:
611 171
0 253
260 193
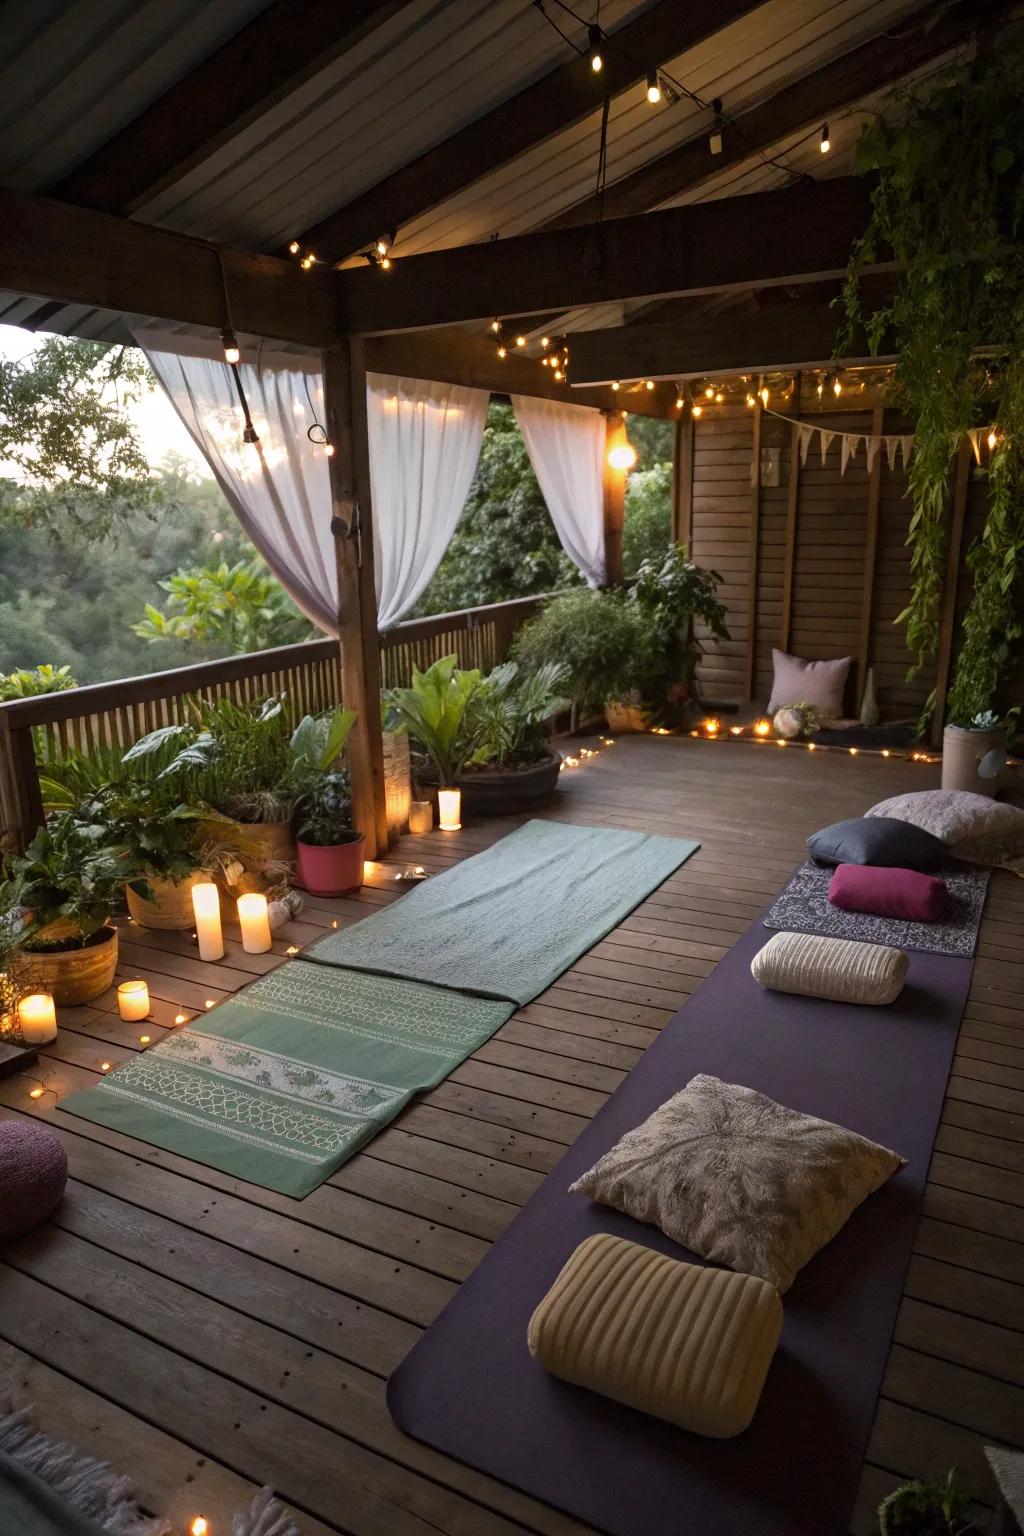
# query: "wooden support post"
352 526
614 497
947 623
792 515
682 482
20 796
867 611
754 549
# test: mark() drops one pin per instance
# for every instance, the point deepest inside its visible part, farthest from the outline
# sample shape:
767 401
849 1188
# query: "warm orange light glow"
712 726
294 247
762 728
993 438
105 1066
735 730
885 752
649 384
211 1002
765 396
145 1039
37 1093
698 410
811 747
199 1527
854 751
293 949
622 456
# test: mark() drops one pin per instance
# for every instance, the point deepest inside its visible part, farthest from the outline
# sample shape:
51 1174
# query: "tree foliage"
237 608
949 203
67 433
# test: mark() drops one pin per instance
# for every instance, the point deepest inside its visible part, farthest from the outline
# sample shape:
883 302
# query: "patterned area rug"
286 1080
804 907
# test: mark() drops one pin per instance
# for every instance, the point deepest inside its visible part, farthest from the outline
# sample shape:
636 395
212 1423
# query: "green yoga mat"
286 1080
508 922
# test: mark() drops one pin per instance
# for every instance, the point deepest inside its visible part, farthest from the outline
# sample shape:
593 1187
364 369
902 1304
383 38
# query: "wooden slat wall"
827 608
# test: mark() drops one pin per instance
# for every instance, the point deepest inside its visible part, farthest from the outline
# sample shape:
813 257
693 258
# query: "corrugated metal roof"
73 74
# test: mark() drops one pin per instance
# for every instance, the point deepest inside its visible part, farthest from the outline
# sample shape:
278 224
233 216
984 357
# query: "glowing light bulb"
698 410
231 351
545 342
596 57
382 245
294 247
210 1002
145 1039
811 747
179 1018
826 142
520 341
992 438
199 1527
750 400
649 384
712 726
385 263
710 391
719 397
764 393
615 386
329 450
763 728
559 375
306 263
36 1093
653 88
854 751
105 1066
680 402
503 351
495 326
622 456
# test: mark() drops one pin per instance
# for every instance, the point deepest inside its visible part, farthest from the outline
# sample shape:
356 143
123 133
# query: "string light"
383 243
710 391
765 394
545 342
307 261
294 247
495 326
826 142
653 88
232 354
622 456
993 438
180 1018
750 399
503 352
697 409
712 726
595 37
520 341
680 402
615 386
200 1527
145 1039
715 137
837 386
649 384
763 728
719 397
105 1066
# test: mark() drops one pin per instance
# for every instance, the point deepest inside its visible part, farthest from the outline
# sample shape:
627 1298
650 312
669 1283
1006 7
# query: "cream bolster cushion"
842 970
687 1344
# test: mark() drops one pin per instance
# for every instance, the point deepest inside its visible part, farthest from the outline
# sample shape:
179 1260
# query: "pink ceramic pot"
330 871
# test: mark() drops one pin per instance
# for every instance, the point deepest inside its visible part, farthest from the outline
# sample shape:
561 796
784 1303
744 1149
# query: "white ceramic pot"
968 760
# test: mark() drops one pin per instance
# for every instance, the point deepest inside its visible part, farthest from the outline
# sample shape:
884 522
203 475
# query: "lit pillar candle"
37 1018
255 923
449 809
206 906
133 1001
421 816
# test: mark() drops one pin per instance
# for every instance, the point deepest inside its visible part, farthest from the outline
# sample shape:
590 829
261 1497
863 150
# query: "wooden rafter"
798 336
270 57
565 96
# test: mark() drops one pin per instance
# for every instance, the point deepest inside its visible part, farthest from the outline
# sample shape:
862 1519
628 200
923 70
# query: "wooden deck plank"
285 1317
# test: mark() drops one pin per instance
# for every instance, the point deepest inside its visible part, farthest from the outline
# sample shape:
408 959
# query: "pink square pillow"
795 681
884 892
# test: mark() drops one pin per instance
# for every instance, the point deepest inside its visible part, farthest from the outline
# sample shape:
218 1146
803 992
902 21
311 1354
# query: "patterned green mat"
292 1075
281 1084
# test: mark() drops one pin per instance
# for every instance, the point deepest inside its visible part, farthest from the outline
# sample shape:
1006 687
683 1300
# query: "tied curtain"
424 442
566 444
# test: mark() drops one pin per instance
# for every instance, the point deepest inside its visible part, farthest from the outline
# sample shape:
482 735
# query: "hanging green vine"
949 203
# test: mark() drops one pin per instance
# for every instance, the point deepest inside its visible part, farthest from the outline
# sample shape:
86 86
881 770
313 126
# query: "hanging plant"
949 204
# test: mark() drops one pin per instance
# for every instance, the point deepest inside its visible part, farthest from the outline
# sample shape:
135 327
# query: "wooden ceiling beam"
565 96
880 62
797 336
800 235
272 55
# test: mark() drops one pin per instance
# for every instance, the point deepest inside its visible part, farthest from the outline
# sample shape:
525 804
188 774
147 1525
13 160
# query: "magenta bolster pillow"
885 892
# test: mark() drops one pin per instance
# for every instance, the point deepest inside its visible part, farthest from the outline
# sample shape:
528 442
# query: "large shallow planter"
171 906
333 870
963 752
502 791
74 976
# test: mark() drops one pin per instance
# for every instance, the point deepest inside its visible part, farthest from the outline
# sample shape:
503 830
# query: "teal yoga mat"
283 1082
507 922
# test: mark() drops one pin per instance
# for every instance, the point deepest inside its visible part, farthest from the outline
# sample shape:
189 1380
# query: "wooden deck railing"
37 731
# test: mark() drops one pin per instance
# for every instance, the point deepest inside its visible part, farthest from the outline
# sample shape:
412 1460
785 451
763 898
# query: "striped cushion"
843 970
684 1343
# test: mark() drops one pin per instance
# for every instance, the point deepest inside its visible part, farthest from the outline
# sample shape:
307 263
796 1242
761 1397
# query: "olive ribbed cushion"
33 1173
687 1344
842 970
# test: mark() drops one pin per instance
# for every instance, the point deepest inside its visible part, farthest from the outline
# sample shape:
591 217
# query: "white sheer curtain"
566 447
424 444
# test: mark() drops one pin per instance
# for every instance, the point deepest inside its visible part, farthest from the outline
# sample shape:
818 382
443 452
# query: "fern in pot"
58 897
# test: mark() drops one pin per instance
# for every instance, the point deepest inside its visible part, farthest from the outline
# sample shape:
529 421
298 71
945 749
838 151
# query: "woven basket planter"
74 976
624 719
171 906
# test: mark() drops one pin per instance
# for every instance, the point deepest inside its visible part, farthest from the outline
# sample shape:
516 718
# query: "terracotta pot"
171 906
333 870
962 754
624 719
76 976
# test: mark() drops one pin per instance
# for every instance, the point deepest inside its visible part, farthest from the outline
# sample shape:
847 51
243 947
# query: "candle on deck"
133 1001
449 809
421 817
206 907
37 1018
255 923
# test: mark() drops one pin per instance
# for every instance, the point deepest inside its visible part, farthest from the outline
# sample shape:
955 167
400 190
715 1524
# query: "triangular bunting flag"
849 450
908 448
826 442
975 436
891 449
806 433
872 445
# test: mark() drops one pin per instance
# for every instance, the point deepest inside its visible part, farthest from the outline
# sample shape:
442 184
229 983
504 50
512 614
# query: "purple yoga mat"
470 1388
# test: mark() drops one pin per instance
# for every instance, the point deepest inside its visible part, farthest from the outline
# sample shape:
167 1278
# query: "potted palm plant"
512 766
60 893
433 710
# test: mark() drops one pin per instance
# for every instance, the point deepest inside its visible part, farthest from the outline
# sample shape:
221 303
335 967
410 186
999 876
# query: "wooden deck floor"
208 1336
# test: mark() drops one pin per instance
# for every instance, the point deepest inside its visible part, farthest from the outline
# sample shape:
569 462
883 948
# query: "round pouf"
33 1173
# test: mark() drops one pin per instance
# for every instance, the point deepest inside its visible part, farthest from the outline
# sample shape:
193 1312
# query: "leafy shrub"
596 636
241 608
510 713
71 869
433 711
29 682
